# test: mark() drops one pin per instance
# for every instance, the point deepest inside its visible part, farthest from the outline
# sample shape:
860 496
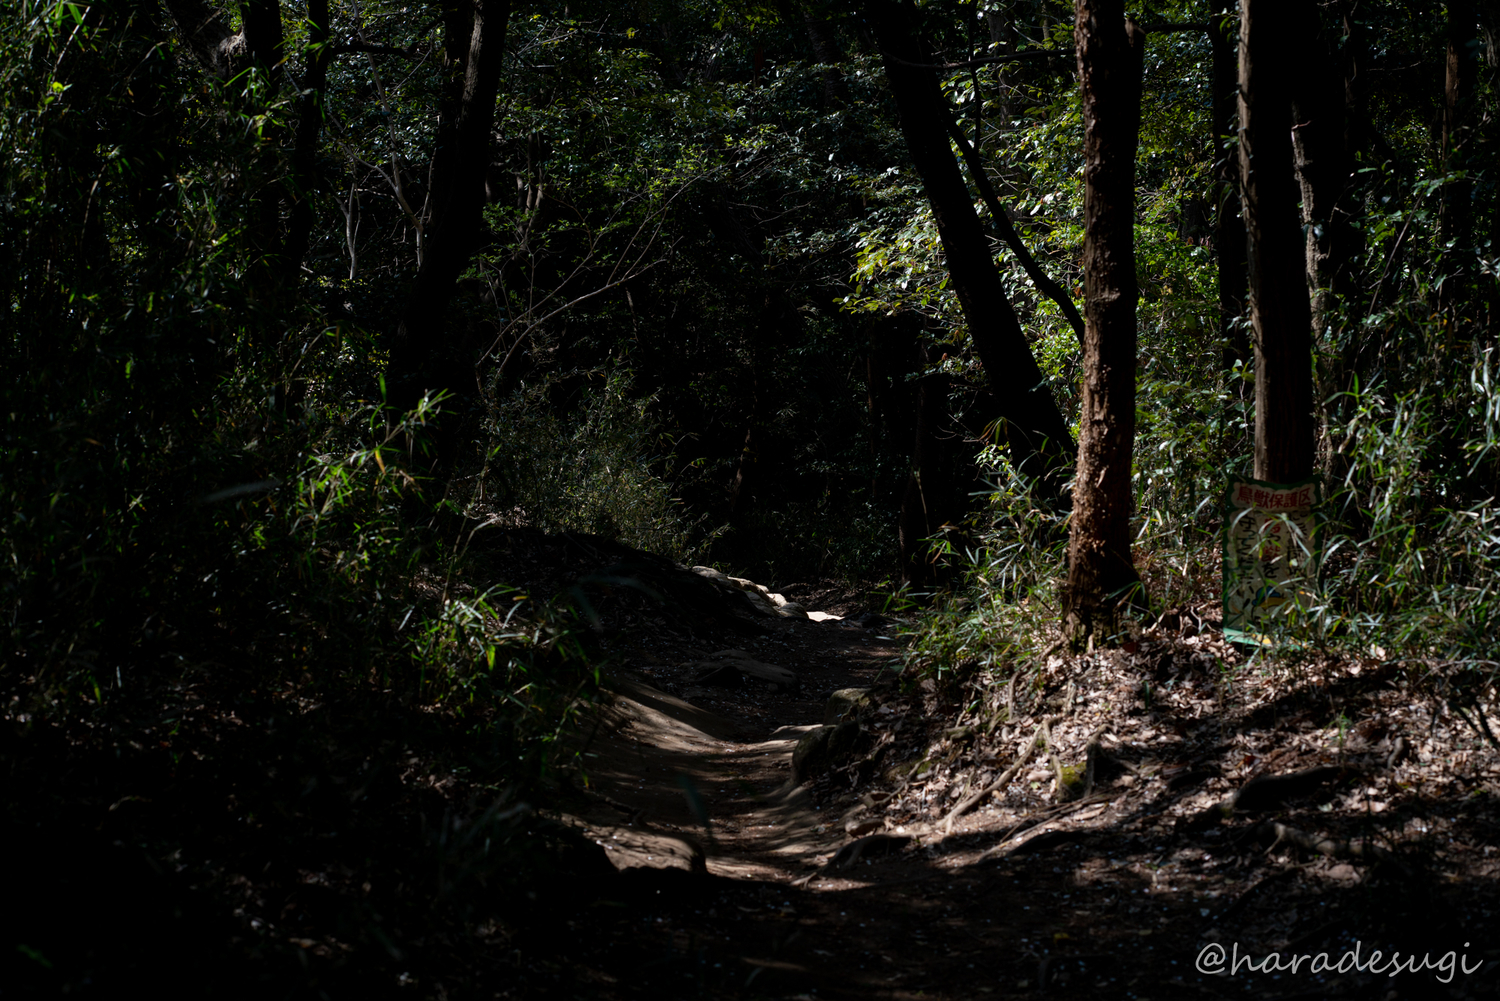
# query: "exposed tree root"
1266 791
1041 818
1332 847
1042 735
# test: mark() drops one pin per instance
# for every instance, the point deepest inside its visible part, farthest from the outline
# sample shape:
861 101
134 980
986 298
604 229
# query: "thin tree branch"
1042 736
1380 286
390 121
1160 28
1167 27
371 48
358 43
1008 233
528 321
1006 57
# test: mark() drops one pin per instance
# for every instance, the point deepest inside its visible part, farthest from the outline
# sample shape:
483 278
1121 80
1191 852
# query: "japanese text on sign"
1270 549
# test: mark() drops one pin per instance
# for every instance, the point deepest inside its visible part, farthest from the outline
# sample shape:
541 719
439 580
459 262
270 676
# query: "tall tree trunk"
225 54
1489 292
425 356
1279 310
1229 228
892 352
1039 440
1001 23
1490 335
1323 168
1351 360
1453 212
303 182
742 485
930 500
264 36
1101 573
1324 159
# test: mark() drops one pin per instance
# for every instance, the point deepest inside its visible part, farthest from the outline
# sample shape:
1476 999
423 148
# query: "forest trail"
741 889
1291 804
765 907
674 784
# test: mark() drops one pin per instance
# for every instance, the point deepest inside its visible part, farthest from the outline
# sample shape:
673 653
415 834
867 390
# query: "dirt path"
728 891
704 785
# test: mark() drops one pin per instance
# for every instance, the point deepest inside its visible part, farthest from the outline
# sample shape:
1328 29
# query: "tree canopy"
306 301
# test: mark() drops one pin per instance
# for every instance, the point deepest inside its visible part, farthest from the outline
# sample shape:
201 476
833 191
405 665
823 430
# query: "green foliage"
197 477
692 213
208 503
1406 398
590 469
1416 564
227 596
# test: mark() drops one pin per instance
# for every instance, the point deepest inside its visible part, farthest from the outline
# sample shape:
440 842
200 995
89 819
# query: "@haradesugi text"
1214 959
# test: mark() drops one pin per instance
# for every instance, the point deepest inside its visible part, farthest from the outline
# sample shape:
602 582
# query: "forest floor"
1171 819
1233 809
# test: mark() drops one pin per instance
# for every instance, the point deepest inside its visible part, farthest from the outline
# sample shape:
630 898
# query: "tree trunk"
1323 168
1491 332
930 500
892 351
264 39
1003 39
1038 439
264 36
1101 573
825 46
425 355
1279 310
1229 228
1349 360
1324 158
740 487
1453 211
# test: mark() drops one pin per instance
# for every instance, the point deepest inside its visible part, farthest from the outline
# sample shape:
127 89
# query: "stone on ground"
845 702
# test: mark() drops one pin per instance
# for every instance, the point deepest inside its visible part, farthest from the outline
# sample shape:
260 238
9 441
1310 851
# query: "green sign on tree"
1271 543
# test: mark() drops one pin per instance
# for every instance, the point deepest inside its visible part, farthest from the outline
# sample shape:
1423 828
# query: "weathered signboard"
1271 543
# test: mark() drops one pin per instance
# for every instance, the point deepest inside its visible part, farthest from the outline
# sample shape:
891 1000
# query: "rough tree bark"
1101 574
1279 310
424 356
1038 439
205 30
1229 228
1323 152
1323 165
